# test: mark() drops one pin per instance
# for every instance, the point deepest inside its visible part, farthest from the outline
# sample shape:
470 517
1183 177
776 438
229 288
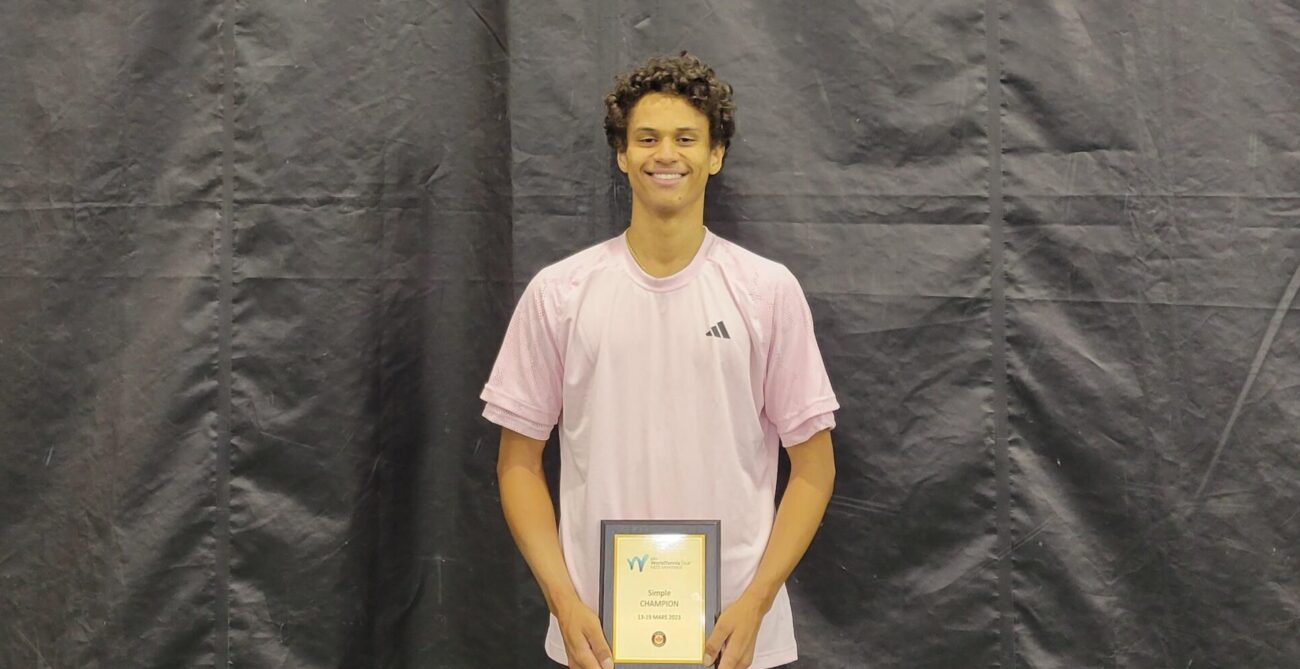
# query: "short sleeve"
523 392
798 398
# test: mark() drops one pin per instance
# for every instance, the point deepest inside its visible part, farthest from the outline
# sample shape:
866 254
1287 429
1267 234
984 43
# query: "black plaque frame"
712 531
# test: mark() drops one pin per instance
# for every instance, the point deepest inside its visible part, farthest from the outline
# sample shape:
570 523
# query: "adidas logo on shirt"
719 330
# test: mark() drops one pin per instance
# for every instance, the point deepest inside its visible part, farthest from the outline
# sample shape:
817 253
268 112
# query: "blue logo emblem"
638 562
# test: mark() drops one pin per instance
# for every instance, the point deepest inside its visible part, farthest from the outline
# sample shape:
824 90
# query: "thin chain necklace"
637 258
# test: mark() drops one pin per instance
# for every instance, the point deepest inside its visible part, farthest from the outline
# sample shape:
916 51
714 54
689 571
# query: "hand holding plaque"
584 642
660 590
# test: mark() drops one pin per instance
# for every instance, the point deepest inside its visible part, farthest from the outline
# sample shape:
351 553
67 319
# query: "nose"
666 152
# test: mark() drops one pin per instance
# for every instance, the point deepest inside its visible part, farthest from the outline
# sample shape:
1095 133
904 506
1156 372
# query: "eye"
646 140
686 140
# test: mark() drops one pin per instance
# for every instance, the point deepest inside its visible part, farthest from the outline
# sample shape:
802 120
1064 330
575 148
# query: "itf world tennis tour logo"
659 639
637 562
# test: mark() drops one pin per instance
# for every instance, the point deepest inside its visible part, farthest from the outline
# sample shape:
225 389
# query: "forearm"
526 502
812 479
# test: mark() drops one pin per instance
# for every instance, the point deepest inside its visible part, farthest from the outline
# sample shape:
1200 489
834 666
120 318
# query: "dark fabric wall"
256 259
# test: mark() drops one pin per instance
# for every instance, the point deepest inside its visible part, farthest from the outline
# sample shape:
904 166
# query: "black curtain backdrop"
256 259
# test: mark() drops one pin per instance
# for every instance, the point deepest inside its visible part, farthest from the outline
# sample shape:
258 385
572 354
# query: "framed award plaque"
660 590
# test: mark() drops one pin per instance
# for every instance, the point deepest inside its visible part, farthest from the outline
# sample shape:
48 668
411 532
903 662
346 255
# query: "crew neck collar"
672 281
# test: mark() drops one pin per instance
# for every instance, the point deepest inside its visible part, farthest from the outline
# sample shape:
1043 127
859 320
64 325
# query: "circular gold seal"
658 639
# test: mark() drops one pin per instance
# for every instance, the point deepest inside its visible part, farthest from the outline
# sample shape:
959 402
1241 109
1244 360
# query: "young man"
676 363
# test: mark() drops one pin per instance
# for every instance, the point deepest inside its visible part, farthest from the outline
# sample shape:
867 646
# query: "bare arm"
526 501
812 478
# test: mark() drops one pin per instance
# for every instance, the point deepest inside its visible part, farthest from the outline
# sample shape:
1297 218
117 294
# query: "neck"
663 245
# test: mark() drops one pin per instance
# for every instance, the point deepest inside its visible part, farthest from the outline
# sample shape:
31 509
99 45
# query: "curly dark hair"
683 75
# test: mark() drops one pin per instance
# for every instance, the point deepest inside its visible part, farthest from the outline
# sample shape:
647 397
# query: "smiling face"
668 157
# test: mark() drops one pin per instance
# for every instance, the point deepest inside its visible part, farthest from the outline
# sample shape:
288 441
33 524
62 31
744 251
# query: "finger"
581 658
579 652
728 661
713 647
738 654
733 661
599 647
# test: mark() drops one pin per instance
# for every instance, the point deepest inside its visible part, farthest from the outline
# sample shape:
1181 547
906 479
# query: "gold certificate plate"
659 590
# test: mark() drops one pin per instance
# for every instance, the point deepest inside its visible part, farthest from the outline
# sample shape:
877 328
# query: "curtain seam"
998 334
221 577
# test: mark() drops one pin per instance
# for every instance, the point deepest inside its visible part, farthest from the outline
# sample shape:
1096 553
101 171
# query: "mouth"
667 179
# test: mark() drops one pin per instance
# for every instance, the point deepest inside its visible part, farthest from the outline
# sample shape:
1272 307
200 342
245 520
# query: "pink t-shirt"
671 395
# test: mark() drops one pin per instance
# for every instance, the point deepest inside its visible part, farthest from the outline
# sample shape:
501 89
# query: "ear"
715 159
621 156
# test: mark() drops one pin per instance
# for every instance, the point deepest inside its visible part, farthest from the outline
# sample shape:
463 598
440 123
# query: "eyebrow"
681 129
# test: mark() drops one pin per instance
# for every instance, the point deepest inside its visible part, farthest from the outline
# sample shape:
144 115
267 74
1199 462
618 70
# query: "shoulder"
760 277
579 265
554 282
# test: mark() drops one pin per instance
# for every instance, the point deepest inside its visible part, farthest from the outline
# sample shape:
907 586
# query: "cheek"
635 162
